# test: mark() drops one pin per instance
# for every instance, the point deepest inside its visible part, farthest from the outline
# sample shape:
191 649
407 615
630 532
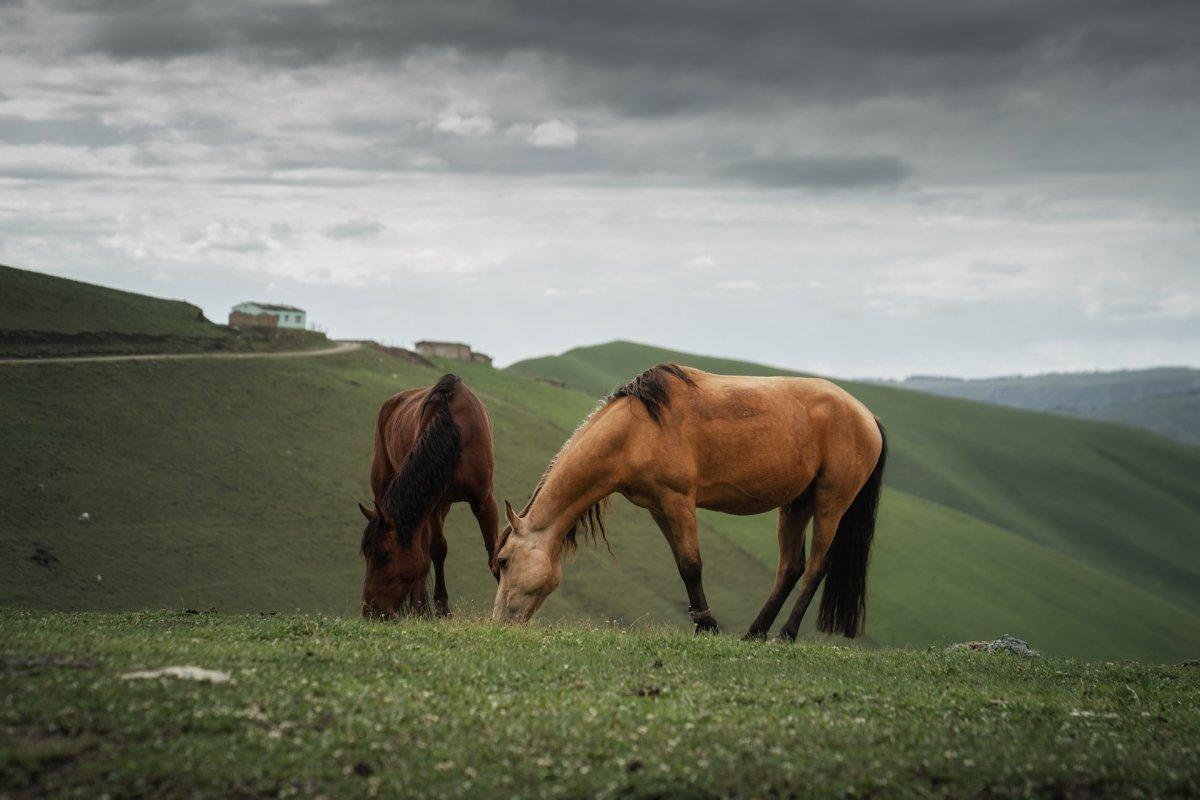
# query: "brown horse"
433 447
674 439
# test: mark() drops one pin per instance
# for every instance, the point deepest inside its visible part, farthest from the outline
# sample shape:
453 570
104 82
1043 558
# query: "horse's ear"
379 512
366 512
512 515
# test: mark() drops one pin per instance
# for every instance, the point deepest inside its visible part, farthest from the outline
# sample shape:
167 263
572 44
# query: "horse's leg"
677 521
437 552
789 530
419 597
824 528
488 517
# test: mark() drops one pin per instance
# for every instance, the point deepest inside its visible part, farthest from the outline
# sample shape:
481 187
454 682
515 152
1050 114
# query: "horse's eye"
381 557
502 562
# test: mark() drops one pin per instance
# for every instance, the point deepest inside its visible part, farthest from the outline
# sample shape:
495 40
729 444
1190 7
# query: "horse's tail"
844 602
423 477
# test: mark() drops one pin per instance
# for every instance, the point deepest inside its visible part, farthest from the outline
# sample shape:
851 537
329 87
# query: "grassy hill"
43 315
996 515
232 484
1165 400
321 706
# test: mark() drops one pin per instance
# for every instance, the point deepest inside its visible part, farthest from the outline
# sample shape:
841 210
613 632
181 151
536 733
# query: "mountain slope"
1165 400
232 484
44 315
1109 499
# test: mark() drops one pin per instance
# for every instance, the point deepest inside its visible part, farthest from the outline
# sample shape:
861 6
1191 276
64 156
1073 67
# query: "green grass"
340 707
43 315
1165 400
232 484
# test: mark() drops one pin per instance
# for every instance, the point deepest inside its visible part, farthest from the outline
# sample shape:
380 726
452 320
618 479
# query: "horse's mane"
651 389
426 472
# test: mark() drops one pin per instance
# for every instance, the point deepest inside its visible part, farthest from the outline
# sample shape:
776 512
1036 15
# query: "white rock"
184 673
85 517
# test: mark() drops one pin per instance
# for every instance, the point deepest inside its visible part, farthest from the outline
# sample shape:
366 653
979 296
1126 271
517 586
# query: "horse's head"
529 570
395 574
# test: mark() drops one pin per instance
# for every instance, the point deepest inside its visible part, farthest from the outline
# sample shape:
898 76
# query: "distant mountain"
1165 400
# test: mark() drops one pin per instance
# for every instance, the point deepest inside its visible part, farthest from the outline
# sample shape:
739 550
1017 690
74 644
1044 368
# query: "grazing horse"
433 447
674 439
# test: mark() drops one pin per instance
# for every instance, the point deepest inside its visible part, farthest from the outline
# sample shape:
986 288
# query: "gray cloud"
696 50
880 164
355 229
823 173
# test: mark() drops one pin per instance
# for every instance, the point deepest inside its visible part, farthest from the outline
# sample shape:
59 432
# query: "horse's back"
402 419
758 442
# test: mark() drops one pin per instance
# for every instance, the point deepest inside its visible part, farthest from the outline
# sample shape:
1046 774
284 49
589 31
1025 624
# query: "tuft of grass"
335 706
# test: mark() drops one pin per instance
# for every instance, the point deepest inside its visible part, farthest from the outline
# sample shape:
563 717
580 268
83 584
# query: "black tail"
844 602
423 477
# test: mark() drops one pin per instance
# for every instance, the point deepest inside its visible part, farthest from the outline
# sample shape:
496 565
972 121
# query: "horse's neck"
583 474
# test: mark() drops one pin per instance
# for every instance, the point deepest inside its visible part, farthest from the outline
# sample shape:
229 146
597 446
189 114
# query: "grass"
334 707
43 315
232 484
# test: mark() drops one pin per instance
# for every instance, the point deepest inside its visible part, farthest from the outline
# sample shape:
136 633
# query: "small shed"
458 350
267 315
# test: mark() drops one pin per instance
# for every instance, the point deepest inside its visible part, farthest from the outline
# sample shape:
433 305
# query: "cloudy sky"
852 187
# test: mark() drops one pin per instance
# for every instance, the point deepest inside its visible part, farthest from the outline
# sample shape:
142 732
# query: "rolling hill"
987 505
232 484
1165 400
43 315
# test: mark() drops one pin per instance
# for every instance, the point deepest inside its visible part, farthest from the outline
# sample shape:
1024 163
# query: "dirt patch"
44 558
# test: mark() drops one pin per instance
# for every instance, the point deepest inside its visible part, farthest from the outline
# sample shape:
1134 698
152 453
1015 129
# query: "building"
457 350
267 315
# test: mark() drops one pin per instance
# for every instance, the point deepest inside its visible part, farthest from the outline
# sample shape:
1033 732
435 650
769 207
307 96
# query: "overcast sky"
855 188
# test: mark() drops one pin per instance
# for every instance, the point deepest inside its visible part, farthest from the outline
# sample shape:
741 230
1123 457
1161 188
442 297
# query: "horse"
433 448
675 439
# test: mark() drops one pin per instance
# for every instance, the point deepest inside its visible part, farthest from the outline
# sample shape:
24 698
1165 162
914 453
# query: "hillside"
320 706
1165 400
232 484
43 315
989 504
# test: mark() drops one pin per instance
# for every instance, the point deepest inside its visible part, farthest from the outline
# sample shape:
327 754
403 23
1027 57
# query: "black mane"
652 389
425 473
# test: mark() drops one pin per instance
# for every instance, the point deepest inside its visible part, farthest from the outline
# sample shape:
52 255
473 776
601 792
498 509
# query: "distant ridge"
1165 400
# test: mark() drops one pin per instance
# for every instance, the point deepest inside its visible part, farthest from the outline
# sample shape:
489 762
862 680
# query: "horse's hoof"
443 611
755 636
786 638
707 626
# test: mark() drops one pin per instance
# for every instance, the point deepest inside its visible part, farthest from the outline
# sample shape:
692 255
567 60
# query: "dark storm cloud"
670 55
822 173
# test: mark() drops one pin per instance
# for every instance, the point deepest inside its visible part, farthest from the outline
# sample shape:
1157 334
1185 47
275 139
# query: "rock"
1005 644
184 673
85 517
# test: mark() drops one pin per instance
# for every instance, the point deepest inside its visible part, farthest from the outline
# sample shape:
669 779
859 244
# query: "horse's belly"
748 496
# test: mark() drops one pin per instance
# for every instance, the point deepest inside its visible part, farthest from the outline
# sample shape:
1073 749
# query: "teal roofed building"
267 315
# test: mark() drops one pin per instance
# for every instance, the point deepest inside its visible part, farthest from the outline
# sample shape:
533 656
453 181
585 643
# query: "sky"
851 187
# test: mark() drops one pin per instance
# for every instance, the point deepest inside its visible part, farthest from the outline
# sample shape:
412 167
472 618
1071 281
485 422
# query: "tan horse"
675 439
